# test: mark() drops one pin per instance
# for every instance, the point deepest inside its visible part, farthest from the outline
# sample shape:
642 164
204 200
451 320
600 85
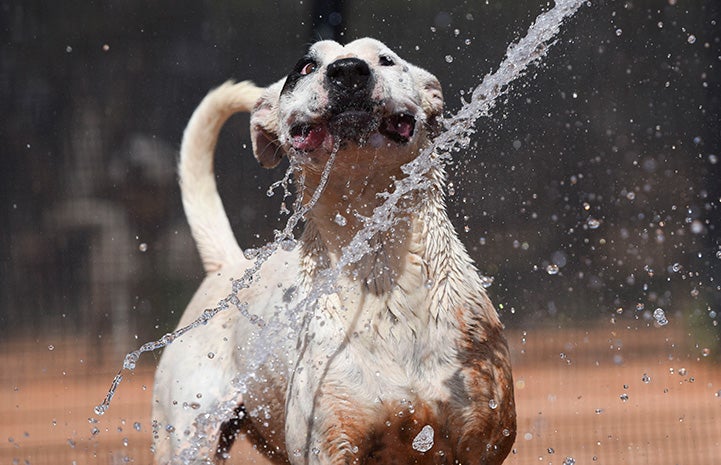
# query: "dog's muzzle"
352 114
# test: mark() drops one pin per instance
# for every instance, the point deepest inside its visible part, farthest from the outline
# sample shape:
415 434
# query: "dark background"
619 124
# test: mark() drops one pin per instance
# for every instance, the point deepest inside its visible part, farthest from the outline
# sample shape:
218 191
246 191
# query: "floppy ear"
431 93
264 127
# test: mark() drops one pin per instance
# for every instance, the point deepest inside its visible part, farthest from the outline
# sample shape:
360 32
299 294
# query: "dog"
404 359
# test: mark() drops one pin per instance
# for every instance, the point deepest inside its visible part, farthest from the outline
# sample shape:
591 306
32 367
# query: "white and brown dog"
404 361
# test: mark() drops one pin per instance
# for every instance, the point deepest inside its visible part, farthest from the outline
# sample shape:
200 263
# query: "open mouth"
398 128
355 126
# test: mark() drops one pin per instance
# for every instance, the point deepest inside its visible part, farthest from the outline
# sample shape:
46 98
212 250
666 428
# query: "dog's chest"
386 346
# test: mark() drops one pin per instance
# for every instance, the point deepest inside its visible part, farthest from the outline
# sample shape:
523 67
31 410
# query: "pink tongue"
404 128
312 141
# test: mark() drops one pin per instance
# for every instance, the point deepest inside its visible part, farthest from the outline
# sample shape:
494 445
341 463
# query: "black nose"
349 75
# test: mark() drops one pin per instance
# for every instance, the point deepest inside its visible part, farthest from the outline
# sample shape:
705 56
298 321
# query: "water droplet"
676 267
51 347
619 32
250 253
593 223
551 451
598 411
340 220
137 426
211 355
624 397
143 247
682 371
315 451
486 281
493 404
288 244
423 442
660 316
449 59
552 269
646 379
569 461
697 227
691 39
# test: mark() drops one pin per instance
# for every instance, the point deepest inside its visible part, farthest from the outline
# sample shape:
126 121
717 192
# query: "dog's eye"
308 68
385 60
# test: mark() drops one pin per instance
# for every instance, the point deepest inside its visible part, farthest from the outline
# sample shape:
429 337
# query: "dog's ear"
264 127
431 93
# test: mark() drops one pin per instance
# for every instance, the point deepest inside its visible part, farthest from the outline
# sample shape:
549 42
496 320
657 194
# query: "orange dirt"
569 388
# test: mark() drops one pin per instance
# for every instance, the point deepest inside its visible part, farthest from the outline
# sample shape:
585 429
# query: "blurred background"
592 197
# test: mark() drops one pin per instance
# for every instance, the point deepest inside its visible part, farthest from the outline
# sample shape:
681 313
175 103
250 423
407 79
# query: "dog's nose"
349 75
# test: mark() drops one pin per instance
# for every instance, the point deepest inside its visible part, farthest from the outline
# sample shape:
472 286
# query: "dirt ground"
610 396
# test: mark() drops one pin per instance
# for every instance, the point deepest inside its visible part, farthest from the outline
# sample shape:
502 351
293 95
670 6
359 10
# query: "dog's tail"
207 218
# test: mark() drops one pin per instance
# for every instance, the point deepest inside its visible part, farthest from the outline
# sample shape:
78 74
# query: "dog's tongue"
404 128
311 139
398 127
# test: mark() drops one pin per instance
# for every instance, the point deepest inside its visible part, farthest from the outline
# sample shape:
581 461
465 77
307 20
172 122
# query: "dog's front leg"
324 421
193 379
333 431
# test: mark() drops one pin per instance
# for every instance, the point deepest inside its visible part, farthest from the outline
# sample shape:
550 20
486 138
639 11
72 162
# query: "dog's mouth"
356 126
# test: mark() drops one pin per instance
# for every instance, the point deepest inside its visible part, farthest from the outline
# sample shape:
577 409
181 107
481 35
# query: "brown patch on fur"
392 441
463 432
488 422
474 424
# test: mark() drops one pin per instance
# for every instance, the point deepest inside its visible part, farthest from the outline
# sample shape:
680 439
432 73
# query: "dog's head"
360 97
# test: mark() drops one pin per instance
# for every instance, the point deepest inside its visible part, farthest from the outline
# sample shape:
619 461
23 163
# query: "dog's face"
360 98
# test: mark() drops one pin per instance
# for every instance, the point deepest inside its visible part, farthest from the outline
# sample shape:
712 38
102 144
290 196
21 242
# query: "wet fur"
409 337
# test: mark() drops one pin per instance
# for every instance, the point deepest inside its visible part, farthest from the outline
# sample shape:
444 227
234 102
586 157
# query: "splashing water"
456 136
261 256
423 442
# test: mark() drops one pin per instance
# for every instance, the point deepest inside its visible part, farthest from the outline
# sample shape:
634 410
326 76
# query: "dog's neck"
420 252
346 200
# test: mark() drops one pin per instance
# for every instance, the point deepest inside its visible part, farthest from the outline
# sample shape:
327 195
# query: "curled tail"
207 218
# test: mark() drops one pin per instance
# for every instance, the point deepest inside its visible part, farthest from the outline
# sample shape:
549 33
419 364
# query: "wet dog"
403 359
